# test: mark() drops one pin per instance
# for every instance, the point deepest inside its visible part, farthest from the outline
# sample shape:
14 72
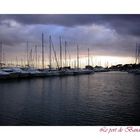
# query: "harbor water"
107 98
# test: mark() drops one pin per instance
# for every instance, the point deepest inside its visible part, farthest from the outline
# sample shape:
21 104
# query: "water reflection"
99 99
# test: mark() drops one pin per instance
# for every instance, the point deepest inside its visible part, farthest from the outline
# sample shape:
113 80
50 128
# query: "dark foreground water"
99 99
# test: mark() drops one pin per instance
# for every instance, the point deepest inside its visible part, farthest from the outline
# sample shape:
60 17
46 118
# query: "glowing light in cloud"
106 60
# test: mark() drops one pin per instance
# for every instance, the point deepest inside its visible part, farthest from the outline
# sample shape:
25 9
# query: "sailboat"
51 71
3 74
86 70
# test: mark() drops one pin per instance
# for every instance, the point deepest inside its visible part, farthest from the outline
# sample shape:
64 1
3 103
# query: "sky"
111 39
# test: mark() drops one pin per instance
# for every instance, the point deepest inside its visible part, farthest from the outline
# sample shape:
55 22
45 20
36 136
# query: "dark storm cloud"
113 35
123 24
64 20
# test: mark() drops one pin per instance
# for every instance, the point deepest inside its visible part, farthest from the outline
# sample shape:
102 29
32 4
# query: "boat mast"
55 54
0 54
3 57
136 53
69 57
77 56
50 55
16 62
42 51
88 56
69 60
30 58
65 53
27 54
36 56
60 52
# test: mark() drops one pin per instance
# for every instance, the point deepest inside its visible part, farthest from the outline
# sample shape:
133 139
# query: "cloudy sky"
107 36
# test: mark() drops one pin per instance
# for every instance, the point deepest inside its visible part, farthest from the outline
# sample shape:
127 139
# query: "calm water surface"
100 99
